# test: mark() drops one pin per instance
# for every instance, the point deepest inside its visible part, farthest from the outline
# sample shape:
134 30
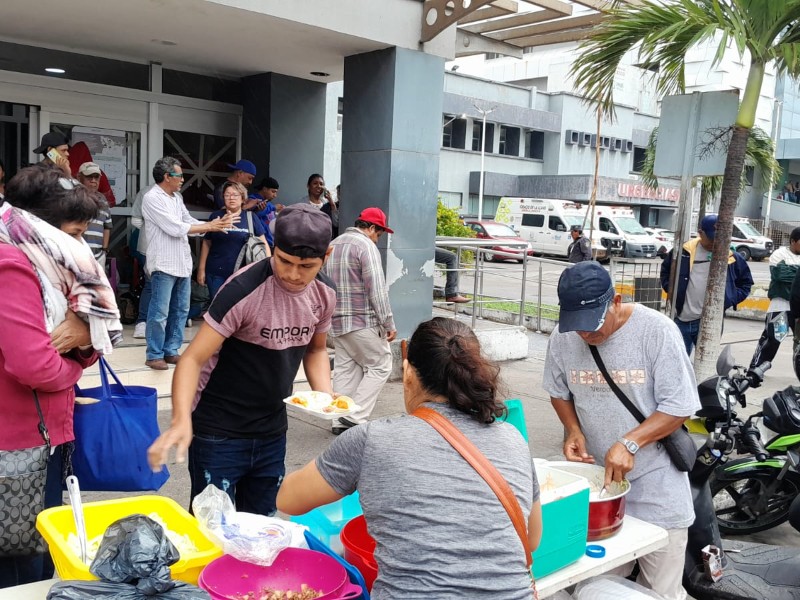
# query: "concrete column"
283 130
391 136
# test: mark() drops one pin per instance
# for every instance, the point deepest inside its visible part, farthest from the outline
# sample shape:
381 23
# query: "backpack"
253 250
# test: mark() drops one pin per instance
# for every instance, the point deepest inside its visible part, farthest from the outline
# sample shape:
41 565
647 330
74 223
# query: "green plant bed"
549 311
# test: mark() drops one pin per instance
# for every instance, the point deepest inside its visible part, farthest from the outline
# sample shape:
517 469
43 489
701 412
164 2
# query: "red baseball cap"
375 216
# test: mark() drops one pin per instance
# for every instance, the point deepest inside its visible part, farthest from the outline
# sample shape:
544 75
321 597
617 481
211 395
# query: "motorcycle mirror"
725 362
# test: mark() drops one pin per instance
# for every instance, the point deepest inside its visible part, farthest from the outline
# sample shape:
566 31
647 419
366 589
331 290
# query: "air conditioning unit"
605 142
616 144
585 138
593 140
627 146
571 137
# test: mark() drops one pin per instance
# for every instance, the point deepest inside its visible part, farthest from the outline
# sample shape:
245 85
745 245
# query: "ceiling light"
55 70
320 74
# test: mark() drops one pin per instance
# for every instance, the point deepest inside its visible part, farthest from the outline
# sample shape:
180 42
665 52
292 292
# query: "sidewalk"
308 436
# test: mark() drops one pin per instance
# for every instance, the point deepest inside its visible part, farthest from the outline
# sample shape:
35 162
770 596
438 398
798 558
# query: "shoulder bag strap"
614 387
42 427
250 222
484 468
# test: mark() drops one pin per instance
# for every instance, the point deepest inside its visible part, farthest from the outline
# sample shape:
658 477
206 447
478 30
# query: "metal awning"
509 26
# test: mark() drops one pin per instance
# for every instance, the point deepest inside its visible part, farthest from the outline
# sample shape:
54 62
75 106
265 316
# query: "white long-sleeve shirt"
167 224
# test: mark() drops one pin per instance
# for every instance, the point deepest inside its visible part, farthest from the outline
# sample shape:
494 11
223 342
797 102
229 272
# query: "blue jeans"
214 282
144 300
167 314
250 471
689 331
28 569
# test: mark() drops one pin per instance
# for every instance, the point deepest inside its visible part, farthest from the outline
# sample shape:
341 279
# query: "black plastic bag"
133 563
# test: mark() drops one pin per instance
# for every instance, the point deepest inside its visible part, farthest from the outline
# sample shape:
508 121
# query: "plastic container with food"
606 514
321 404
57 525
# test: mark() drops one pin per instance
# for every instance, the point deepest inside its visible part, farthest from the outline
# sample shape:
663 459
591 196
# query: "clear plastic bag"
252 538
780 326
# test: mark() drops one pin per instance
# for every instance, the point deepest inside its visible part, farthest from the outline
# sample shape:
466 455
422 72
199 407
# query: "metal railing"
530 288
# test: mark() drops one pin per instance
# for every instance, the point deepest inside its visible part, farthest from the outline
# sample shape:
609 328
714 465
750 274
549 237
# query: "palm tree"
767 31
760 154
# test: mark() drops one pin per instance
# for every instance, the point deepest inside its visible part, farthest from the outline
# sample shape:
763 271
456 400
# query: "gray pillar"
391 135
283 130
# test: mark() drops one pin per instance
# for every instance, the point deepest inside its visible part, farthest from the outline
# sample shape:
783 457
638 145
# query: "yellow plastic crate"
55 524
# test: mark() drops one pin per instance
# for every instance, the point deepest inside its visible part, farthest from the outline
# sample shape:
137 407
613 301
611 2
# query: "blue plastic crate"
326 521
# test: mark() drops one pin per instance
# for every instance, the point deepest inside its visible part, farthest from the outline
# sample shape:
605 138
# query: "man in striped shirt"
363 324
169 261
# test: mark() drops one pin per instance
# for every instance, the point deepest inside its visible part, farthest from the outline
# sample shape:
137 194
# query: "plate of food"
321 404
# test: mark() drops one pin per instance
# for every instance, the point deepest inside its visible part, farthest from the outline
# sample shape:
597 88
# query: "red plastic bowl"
606 514
359 548
227 578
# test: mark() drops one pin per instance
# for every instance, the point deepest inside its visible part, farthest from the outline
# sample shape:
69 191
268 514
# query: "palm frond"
761 154
648 165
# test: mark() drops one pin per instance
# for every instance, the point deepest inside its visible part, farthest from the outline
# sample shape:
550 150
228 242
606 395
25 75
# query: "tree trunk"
714 306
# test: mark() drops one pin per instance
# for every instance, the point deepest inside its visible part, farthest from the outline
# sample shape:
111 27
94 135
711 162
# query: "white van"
745 239
622 221
545 224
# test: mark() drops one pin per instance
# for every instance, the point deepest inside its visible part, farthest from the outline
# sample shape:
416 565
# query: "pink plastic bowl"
227 578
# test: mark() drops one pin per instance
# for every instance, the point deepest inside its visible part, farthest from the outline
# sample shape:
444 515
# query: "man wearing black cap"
581 248
363 324
642 352
55 147
243 171
242 364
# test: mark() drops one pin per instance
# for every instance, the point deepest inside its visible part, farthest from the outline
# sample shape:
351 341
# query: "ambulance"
545 224
622 221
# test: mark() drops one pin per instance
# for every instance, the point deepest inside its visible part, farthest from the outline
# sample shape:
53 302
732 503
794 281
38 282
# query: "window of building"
211 154
339 114
534 144
476 136
509 140
556 224
205 87
13 137
451 199
490 204
638 159
454 132
749 174
533 220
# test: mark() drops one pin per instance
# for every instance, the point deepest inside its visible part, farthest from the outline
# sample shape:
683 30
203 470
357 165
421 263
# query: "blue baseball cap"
584 293
708 225
244 165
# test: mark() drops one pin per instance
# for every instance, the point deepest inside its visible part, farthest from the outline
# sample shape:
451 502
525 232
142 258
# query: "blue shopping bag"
112 436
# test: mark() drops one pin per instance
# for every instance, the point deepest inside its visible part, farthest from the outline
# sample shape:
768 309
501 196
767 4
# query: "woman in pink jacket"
31 358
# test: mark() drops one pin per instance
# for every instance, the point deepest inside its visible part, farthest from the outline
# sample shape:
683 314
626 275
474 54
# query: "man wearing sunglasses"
169 261
643 353
363 324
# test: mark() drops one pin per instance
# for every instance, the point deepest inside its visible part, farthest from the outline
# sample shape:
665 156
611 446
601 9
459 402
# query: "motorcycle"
751 493
749 570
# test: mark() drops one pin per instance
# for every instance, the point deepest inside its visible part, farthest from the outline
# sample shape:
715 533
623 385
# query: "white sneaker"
139 330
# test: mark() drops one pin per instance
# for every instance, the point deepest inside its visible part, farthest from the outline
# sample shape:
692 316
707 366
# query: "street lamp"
483 156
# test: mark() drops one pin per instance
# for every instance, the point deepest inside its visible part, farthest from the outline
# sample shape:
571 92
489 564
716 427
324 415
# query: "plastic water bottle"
780 326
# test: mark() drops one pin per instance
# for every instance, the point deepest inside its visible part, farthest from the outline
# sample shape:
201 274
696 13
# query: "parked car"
665 238
492 230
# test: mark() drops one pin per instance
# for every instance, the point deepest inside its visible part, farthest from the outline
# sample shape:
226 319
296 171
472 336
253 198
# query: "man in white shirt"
169 261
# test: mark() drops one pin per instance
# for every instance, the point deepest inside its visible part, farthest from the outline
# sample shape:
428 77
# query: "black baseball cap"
584 293
51 140
303 230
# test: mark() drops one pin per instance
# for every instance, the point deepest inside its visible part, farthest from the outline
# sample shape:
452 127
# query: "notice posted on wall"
109 151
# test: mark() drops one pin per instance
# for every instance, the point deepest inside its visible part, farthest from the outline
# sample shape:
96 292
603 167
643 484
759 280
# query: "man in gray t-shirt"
643 352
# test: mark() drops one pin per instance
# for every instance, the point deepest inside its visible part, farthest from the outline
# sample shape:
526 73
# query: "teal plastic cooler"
565 518
326 521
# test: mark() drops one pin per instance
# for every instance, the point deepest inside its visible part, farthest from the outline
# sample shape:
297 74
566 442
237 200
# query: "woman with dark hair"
220 249
39 349
440 530
318 195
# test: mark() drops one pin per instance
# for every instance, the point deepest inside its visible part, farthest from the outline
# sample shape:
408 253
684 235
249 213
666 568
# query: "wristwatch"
631 446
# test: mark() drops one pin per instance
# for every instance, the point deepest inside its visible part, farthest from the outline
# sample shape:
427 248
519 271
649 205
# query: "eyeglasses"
176 175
